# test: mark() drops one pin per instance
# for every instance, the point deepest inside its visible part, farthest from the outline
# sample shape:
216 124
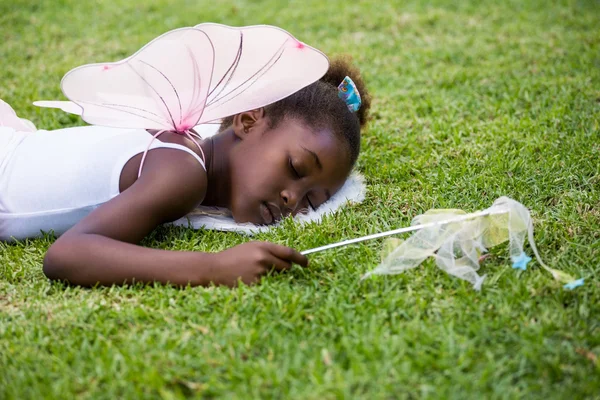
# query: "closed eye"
297 175
294 170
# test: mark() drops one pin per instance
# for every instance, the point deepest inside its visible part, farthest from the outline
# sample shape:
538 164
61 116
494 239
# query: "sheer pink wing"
162 86
66 106
256 66
73 108
192 76
8 118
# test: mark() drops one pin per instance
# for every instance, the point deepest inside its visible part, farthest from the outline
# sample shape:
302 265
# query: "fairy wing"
256 66
192 76
162 86
73 108
66 106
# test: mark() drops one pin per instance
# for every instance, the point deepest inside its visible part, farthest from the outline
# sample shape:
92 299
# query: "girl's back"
57 177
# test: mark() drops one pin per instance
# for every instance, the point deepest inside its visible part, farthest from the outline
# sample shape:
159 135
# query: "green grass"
473 100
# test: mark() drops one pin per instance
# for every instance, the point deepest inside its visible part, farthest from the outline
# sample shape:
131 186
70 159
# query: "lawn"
472 100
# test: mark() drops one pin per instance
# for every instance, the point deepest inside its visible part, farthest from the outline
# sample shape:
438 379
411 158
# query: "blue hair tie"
348 92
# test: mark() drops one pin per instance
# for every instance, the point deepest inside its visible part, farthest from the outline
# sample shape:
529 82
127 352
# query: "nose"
291 200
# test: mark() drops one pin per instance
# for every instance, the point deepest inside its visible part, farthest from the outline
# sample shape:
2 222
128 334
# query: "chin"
246 217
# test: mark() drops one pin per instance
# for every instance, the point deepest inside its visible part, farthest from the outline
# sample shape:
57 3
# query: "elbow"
55 260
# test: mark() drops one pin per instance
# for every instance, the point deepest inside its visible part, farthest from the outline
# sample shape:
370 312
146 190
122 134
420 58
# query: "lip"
270 212
275 211
266 214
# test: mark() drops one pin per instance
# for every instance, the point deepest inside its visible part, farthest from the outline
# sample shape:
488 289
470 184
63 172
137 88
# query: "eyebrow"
316 157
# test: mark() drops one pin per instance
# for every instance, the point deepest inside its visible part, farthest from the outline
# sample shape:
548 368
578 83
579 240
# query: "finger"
287 253
278 264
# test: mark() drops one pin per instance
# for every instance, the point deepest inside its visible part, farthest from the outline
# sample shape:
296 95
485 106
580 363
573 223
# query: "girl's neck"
217 149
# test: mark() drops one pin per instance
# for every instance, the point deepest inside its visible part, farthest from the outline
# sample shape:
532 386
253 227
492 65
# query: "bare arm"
101 248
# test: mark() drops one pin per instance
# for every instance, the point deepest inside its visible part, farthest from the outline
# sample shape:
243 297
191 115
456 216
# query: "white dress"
50 180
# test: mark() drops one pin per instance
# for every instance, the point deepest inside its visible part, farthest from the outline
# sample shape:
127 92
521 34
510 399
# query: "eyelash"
310 204
297 175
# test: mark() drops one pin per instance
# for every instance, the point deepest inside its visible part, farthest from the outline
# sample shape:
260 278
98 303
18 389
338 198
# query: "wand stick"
403 230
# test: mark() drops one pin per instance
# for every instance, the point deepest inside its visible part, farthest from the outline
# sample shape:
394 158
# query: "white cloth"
49 180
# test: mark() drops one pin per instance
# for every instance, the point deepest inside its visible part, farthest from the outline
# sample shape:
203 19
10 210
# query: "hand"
250 261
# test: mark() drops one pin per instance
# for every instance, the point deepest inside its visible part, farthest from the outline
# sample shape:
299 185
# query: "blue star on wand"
573 284
521 261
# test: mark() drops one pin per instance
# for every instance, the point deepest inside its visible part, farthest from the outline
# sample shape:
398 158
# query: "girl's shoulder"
171 184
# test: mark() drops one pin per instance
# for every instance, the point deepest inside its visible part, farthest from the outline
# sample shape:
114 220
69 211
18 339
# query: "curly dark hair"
319 106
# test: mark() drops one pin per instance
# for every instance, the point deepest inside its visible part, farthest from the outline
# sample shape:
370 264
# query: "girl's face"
285 170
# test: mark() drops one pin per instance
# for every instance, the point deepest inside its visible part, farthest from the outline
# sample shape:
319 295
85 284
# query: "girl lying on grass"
264 165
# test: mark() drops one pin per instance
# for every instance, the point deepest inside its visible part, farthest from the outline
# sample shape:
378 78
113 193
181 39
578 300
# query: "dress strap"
184 148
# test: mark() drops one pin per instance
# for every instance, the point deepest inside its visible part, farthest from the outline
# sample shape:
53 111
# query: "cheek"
242 181
256 167
250 185
247 175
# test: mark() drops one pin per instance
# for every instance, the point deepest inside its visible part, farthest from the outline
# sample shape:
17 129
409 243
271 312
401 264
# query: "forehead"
318 140
317 146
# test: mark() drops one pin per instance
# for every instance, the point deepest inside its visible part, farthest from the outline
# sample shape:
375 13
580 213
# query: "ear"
249 121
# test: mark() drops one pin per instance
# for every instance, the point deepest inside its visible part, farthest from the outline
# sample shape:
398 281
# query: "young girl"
265 164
